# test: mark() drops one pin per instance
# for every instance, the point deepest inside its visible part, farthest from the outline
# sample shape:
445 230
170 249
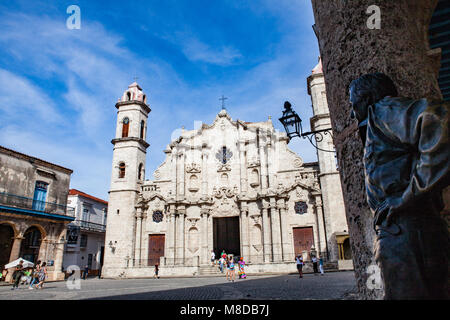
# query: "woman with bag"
35 274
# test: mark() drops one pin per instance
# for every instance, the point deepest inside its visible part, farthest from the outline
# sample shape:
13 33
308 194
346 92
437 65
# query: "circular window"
157 216
126 120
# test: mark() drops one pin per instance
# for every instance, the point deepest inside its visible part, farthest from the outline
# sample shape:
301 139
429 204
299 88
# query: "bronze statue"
406 166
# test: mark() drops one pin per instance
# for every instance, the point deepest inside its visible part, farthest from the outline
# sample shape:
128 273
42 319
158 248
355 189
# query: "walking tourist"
156 271
42 275
213 257
17 275
221 262
299 260
314 261
231 269
86 272
242 274
321 266
35 274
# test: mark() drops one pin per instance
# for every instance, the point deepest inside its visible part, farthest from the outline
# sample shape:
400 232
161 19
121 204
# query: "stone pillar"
138 243
245 231
276 231
243 166
59 249
266 232
180 237
181 181
210 231
15 250
204 234
174 172
322 247
172 236
43 250
348 50
285 240
263 161
204 174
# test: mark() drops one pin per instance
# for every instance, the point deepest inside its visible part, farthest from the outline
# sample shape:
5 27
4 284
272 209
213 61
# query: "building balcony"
23 205
89 226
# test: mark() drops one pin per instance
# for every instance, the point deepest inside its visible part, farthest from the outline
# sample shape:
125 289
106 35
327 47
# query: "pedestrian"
156 271
42 275
321 266
221 262
299 260
213 257
35 274
224 255
86 272
4 272
26 278
242 274
231 269
17 275
314 261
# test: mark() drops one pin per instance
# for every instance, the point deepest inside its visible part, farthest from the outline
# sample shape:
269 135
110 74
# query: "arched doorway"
6 243
29 249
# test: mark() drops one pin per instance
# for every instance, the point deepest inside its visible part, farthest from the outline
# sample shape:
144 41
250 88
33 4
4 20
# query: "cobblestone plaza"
331 286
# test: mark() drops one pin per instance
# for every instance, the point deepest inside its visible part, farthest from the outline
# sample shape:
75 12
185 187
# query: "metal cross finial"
135 78
223 101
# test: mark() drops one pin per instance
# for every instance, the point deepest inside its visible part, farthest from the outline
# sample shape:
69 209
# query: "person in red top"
224 255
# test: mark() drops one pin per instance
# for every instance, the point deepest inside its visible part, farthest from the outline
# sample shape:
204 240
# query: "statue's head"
367 90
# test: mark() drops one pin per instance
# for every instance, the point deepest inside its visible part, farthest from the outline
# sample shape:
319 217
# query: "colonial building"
33 211
231 185
86 235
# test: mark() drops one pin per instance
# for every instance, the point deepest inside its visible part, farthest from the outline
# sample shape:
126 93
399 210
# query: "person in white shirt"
299 260
314 261
213 257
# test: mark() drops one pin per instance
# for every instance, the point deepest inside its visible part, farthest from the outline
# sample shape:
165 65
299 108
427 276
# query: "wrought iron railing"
90 226
16 201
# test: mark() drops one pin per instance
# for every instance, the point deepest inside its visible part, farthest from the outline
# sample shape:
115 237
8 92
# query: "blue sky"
58 87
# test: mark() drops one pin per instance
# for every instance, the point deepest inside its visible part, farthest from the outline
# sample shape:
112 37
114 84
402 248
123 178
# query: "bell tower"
128 173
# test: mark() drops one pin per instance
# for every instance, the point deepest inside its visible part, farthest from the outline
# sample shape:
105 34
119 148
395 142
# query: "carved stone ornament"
254 162
256 219
223 168
157 174
193 221
193 168
224 192
298 163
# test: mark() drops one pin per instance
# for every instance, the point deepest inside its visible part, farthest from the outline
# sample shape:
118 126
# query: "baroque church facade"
231 185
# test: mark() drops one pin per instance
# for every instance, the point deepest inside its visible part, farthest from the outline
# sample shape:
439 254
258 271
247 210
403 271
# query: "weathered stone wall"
349 49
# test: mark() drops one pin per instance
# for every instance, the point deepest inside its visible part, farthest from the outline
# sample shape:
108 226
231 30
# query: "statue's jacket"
406 156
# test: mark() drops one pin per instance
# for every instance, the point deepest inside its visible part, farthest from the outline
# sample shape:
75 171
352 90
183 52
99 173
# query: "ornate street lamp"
293 126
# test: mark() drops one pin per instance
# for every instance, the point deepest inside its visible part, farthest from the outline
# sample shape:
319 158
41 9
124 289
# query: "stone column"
323 247
138 242
204 174
285 240
276 231
204 234
174 175
43 250
266 232
180 237
263 161
181 181
244 231
172 236
243 166
348 50
58 258
210 231
15 250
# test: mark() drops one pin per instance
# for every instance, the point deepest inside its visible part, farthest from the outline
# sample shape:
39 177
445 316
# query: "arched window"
142 129
122 170
128 96
125 126
140 173
254 178
224 179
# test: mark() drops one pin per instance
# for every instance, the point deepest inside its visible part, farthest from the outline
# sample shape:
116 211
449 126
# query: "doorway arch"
29 248
6 243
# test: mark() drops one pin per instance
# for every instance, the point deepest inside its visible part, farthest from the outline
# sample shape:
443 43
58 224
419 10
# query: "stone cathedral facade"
230 185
